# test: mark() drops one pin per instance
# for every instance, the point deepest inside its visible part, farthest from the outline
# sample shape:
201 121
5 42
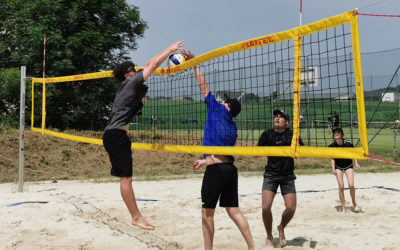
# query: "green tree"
83 36
9 97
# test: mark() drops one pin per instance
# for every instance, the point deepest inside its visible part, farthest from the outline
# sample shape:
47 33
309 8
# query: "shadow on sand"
348 208
295 242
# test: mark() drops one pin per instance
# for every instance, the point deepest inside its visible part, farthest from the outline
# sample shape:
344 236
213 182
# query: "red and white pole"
301 10
44 56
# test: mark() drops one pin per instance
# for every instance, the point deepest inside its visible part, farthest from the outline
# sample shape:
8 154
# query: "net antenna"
301 11
44 55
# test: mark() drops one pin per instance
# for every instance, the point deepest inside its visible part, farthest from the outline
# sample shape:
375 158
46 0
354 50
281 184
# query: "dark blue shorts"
271 184
118 146
220 181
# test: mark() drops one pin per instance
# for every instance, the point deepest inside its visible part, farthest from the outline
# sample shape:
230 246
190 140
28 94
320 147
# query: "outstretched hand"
188 54
176 46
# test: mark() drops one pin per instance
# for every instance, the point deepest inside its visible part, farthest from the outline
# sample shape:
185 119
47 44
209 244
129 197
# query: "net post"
33 102
44 107
21 130
394 145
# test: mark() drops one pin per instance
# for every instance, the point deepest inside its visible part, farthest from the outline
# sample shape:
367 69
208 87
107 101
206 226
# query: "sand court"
92 215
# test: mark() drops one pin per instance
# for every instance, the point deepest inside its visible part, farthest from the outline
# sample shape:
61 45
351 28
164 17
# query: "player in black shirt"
279 171
344 165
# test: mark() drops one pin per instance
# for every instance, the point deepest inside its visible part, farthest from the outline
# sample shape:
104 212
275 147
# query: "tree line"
83 36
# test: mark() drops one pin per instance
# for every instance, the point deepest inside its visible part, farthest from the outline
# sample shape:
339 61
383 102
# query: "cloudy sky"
210 24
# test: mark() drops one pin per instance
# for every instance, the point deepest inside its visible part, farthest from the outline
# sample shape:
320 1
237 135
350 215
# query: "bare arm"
333 166
156 61
154 58
357 165
201 80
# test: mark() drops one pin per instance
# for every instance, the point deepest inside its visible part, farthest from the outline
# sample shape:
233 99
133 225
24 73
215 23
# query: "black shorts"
271 184
344 168
118 146
220 181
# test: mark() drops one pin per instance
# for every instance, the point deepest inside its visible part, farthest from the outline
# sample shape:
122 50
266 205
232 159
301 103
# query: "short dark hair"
121 69
234 105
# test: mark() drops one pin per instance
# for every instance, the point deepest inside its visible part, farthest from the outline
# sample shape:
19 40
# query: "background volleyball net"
312 72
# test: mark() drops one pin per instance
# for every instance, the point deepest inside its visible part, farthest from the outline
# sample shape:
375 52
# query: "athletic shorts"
345 168
220 181
287 186
118 146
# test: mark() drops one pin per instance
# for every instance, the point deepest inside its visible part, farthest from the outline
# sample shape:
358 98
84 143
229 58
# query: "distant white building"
388 97
345 97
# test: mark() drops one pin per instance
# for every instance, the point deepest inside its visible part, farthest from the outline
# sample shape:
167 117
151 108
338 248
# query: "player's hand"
188 54
176 46
358 166
198 164
334 172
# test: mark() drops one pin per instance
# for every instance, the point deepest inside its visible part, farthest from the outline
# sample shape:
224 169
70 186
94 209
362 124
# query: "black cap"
337 130
282 113
234 105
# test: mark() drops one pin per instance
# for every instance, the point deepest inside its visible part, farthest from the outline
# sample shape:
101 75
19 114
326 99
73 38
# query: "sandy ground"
89 215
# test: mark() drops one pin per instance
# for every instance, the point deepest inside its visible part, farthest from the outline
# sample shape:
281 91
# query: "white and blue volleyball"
175 59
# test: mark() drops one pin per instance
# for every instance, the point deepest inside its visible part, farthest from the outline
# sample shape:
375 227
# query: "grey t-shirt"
127 102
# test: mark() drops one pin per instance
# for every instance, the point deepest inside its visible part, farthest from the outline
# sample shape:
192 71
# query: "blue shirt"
220 129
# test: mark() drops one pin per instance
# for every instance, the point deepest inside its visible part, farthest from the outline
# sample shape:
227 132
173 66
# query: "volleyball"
175 59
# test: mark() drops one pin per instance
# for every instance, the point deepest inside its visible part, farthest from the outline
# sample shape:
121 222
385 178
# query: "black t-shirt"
342 163
127 102
277 166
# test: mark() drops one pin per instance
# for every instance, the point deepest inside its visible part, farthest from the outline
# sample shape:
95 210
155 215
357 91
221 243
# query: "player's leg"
238 218
350 180
339 178
288 190
268 194
130 201
118 146
207 223
230 200
210 192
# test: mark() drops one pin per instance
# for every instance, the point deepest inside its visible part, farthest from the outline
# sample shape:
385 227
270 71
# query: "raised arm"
156 61
201 80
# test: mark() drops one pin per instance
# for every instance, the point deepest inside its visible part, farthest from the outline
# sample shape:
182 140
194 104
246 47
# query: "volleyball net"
312 72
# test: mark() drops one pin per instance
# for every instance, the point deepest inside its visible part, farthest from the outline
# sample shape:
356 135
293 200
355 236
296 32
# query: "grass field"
183 123
383 140
51 158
